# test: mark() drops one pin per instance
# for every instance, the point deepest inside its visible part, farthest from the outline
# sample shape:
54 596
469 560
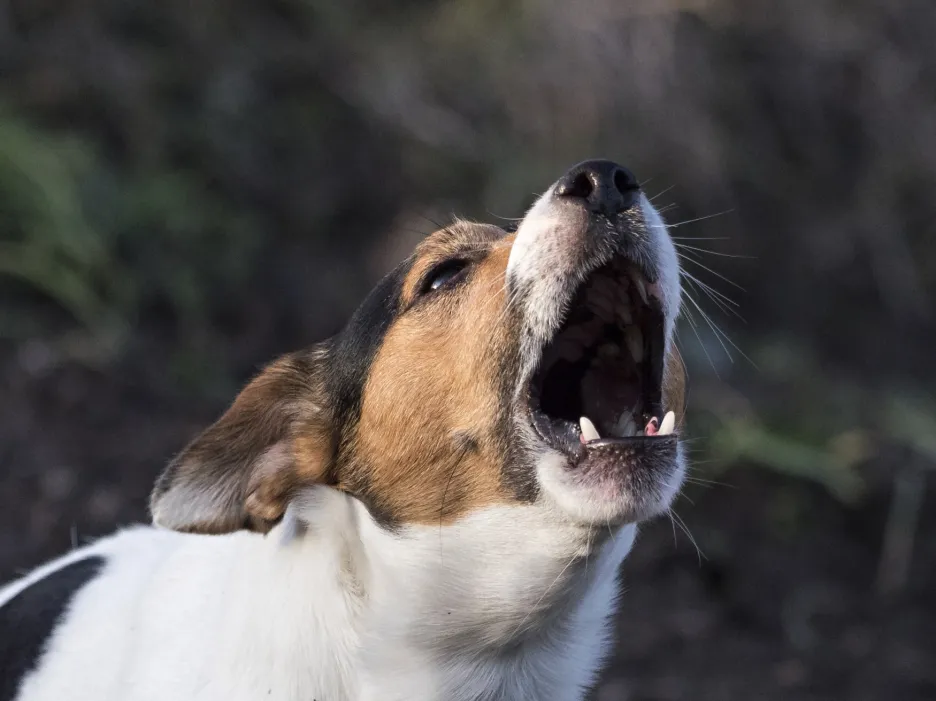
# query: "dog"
432 504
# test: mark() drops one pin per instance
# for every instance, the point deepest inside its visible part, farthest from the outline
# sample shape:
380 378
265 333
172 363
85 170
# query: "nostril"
625 182
580 186
602 186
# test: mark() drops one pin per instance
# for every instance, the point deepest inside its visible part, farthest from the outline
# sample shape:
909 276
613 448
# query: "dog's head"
533 368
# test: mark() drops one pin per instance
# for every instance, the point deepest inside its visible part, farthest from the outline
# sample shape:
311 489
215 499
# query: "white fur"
348 611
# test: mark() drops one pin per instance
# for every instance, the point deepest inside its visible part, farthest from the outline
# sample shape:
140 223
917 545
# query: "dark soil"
781 606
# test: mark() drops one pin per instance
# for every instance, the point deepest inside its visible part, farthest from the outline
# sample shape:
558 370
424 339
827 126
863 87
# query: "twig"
900 531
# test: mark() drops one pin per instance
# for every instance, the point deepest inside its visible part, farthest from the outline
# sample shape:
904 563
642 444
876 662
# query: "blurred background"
188 189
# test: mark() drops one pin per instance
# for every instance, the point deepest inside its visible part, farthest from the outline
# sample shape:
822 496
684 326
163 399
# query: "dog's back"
65 617
153 614
31 611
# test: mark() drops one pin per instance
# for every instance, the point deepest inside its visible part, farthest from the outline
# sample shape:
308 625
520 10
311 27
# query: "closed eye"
443 275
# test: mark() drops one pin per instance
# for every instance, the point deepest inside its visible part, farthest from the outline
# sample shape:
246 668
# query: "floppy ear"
242 471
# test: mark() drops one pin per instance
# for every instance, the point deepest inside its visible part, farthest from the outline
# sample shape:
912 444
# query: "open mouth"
599 383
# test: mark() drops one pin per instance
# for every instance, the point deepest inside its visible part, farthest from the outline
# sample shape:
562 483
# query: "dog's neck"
451 611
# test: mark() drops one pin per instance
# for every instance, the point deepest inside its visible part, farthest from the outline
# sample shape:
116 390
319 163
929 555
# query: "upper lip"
605 362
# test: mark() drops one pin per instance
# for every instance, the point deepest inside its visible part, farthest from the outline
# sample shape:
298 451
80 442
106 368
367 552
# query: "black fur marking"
28 620
352 353
355 347
519 469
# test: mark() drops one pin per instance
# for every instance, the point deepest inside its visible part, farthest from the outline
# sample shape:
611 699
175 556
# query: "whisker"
719 275
697 482
721 334
692 282
661 192
713 295
700 238
415 231
498 216
683 495
685 529
457 462
713 253
692 325
432 221
698 219
711 326
709 483
673 523
705 286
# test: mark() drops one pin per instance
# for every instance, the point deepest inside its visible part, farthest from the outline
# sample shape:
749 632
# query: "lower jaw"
619 483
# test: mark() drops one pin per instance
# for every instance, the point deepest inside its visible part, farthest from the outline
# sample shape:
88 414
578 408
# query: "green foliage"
46 239
103 245
832 465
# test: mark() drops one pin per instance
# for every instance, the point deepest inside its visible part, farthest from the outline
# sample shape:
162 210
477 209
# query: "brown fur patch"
429 447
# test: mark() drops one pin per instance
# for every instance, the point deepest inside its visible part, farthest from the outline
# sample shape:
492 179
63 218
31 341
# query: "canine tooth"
641 287
589 432
635 343
668 424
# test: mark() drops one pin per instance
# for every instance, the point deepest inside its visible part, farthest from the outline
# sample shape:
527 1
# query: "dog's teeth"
635 343
604 309
624 314
642 289
589 432
668 424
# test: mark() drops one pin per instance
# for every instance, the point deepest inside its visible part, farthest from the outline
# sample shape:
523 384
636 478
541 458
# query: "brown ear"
242 471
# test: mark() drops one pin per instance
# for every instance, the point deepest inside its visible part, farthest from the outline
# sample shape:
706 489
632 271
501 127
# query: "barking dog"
433 504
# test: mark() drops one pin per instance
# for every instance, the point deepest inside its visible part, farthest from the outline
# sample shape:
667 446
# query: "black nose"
603 186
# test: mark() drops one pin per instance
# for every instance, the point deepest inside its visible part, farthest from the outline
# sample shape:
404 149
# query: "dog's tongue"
651 429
